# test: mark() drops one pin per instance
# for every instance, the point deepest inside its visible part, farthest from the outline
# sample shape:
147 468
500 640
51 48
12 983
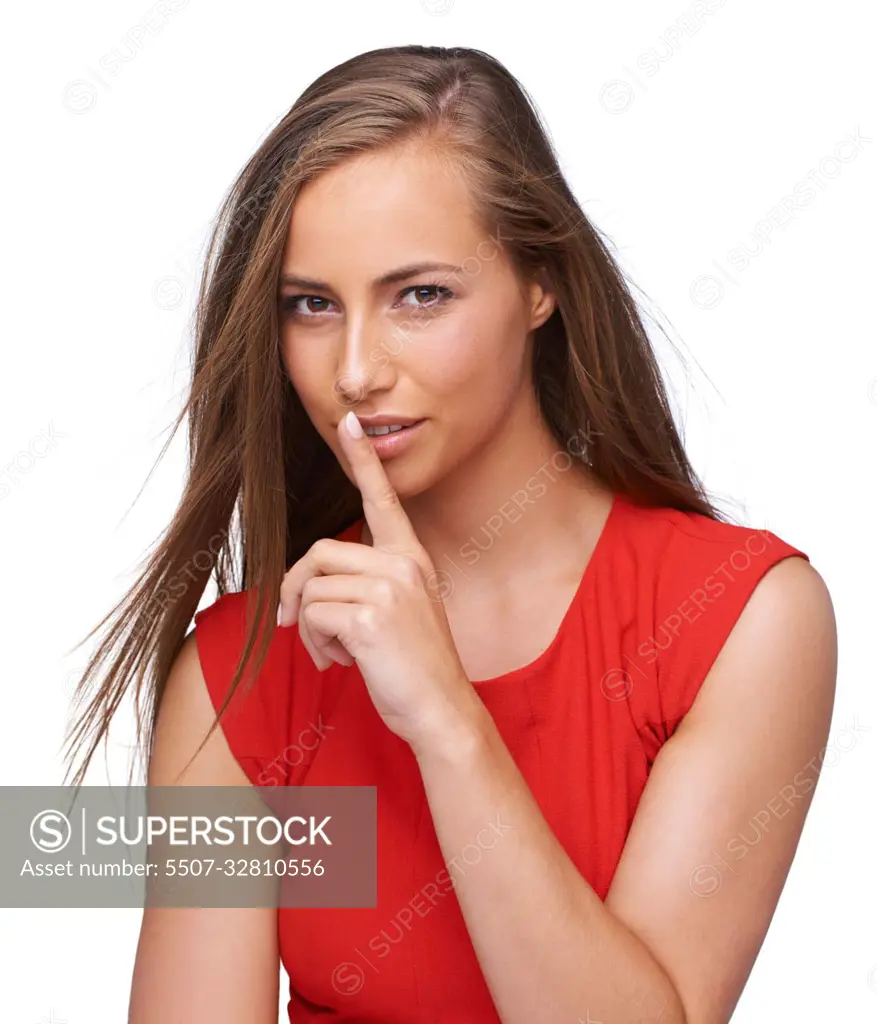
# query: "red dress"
584 722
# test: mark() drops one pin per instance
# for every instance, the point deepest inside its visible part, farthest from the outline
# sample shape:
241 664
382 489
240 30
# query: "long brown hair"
262 485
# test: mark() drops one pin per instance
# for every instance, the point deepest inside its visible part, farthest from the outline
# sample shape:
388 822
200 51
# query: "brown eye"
427 292
291 306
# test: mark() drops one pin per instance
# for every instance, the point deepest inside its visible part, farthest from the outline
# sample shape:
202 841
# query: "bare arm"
201 965
690 902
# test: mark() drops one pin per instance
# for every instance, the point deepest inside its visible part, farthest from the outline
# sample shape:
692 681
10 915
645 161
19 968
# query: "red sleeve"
256 721
706 574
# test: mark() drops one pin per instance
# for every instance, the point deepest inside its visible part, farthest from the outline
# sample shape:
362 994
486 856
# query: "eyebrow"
391 277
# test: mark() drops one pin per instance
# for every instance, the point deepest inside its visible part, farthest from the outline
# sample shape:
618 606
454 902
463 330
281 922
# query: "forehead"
381 208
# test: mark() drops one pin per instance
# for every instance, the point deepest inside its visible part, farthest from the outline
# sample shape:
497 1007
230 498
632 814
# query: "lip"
389 446
387 419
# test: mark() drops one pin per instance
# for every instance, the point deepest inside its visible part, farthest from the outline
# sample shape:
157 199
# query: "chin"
409 476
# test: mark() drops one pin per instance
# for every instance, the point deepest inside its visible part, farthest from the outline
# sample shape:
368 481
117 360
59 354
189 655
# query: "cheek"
312 378
308 371
297 366
477 360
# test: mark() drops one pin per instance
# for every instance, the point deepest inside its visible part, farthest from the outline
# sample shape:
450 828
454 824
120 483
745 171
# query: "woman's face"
363 328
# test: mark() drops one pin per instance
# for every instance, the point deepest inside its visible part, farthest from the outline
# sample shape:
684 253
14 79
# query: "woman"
591 706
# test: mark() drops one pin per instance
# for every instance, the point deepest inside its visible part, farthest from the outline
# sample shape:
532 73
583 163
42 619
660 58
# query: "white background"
683 134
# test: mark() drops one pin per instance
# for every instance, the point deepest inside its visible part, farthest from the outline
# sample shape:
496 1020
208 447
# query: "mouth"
380 431
391 440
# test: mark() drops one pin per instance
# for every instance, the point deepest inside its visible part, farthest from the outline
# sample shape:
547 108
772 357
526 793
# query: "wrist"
457 731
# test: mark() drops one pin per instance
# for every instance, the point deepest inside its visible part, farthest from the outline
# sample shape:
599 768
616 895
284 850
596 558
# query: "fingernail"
354 427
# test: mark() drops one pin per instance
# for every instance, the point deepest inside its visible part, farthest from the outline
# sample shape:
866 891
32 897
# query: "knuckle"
409 570
318 549
385 591
366 619
309 613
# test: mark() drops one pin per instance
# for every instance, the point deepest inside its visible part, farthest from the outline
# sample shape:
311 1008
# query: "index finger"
390 526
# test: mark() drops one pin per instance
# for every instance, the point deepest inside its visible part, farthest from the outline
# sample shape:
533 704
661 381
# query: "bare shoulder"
185 717
794 590
788 630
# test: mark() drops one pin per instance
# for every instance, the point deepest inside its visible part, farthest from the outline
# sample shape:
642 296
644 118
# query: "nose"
365 360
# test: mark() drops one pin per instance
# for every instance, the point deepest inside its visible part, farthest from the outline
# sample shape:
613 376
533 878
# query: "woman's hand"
372 606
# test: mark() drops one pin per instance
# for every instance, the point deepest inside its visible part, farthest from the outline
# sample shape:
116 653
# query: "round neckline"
598 553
